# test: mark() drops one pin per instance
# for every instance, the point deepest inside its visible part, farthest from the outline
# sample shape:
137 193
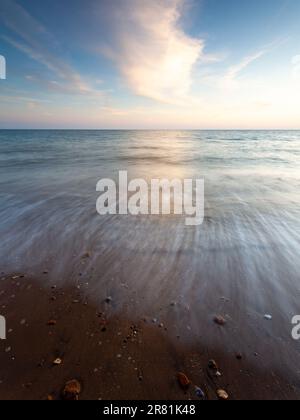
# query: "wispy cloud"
154 54
34 41
231 78
234 71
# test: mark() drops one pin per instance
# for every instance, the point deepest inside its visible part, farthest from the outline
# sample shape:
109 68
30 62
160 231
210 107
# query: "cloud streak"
34 41
154 55
234 71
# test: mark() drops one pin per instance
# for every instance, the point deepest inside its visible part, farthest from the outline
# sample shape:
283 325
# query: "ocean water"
243 262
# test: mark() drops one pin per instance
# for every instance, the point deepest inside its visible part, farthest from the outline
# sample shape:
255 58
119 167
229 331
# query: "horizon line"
147 129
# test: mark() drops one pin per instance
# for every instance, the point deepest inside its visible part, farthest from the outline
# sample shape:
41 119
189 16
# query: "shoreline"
112 356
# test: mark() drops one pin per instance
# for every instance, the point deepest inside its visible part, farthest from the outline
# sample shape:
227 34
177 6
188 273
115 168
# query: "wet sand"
117 357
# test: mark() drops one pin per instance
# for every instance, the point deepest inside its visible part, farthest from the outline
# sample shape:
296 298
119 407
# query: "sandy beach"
57 334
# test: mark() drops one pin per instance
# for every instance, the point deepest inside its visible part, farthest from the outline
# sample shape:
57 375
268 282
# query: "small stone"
268 317
57 362
218 374
23 322
8 350
222 395
199 393
86 256
183 380
52 323
212 364
219 320
71 390
108 300
41 363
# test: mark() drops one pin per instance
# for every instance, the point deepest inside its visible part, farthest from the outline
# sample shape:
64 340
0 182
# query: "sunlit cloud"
154 54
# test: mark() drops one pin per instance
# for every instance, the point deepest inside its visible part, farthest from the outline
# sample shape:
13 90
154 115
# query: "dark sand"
113 357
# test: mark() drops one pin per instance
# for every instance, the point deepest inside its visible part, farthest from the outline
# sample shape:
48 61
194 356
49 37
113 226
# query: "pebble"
268 317
71 390
222 395
212 364
86 255
57 362
199 393
219 320
183 380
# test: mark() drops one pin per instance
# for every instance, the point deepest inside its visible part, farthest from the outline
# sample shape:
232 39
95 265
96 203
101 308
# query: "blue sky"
150 64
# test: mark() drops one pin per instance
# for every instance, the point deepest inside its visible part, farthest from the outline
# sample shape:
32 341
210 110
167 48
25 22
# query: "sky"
150 64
